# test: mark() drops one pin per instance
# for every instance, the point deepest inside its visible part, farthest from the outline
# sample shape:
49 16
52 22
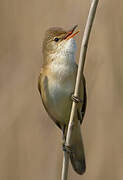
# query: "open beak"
70 34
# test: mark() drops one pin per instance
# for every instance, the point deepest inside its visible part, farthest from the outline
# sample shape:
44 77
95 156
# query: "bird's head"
58 41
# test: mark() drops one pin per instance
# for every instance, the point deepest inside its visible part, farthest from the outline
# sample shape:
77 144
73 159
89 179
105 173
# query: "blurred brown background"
30 144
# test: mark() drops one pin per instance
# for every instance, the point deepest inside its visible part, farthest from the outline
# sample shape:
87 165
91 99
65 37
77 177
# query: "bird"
56 85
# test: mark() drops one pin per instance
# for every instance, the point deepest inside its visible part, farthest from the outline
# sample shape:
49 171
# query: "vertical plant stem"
65 166
83 51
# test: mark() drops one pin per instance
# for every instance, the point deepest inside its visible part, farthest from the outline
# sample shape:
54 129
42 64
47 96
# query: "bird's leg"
79 117
64 147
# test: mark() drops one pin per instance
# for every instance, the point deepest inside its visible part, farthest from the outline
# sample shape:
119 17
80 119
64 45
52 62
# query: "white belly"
60 86
60 98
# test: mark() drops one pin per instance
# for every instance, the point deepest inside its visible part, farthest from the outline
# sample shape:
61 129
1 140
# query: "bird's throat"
63 65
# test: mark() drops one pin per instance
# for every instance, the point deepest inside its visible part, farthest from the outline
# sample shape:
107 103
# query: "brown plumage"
56 84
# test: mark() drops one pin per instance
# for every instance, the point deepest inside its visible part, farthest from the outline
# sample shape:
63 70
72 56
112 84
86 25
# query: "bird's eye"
56 39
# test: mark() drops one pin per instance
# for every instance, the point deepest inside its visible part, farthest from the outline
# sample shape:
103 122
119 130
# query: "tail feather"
77 156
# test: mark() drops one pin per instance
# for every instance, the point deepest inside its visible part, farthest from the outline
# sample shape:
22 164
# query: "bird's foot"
67 149
76 99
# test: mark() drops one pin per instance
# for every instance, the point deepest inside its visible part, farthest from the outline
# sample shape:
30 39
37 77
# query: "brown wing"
39 88
39 80
81 110
84 99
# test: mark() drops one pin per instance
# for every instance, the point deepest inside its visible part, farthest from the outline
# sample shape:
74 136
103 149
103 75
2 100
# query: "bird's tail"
77 155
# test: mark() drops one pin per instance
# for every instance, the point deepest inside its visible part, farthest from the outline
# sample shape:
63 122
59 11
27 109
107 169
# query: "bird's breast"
57 92
60 89
59 98
61 81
